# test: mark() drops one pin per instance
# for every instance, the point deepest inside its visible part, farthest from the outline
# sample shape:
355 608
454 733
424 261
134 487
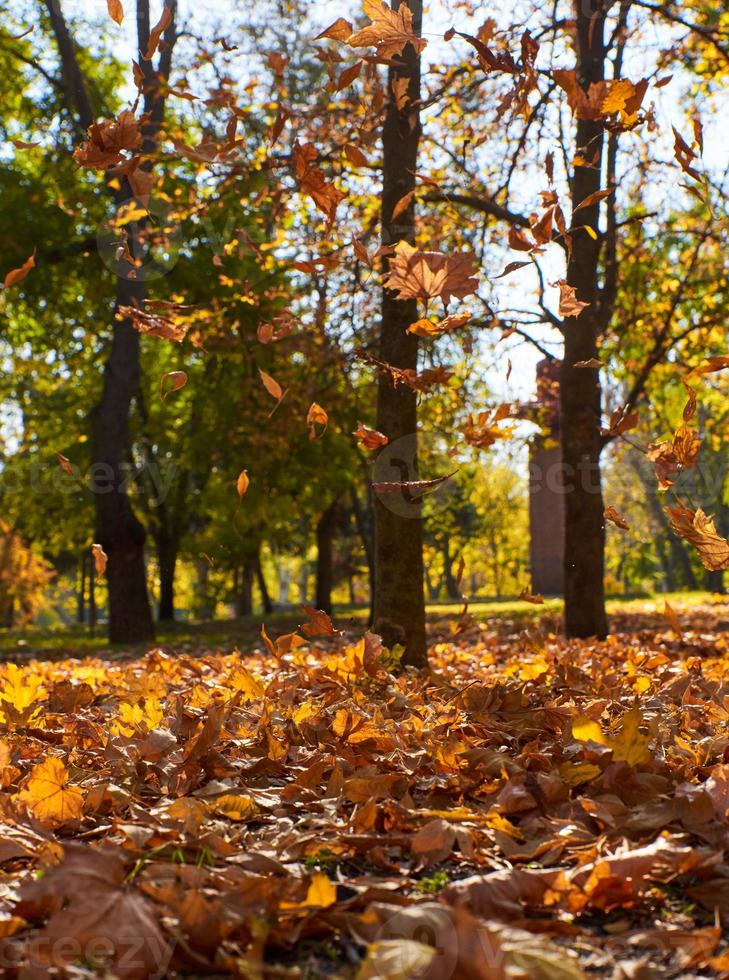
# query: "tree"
118 528
399 606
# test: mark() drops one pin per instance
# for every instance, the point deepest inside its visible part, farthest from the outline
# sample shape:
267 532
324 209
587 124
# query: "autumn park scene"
364 489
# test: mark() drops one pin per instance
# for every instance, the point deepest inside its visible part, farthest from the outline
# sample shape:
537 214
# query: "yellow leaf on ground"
48 795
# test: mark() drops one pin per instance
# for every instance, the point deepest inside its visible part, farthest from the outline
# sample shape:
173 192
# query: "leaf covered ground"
530 808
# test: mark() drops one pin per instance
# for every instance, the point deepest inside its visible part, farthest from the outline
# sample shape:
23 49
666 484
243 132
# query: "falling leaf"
17 275
369 438
107 141
116 10
355 155
414 488
569 305
316 416
319 622
65 464
670 613
622 420
402 205
155 35
389 32
424 275
610 514
340 30
271 385
700 531
100 558
242 484
49 797
172 381
526 596
426 328
591 363
311 179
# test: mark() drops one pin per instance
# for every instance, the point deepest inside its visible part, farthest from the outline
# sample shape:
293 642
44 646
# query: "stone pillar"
546 498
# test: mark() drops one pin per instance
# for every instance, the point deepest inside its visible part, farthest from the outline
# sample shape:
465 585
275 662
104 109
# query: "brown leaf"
610 514
369 438
155 35
526 596
16 275
311 180
107 141
271 385
355 156
389 32
116 10
415 488
100 558
316 416
700 531
402 205
319 623
65 463
242 483
670 613
424 275
569 305
172 381
426 328
340 30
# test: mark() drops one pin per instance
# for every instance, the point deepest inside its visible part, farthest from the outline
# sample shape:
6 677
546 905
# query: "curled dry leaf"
622 420
155 35
340 30
319 623
610 514
369 438
100 557
311 179
569 305
316 416
591 363
17 275
700 531
172 381
424 275
671 615
65 463
426 328
242 483
107 141
412 488
526 596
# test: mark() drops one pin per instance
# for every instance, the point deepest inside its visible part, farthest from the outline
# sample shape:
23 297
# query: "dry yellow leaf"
49 797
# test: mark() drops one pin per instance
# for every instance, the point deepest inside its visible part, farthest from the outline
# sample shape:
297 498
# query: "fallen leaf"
49 797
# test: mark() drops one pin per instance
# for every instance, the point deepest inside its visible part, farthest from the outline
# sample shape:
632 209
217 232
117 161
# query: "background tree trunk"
580 392
325 530
263 587
167 560
81 594
399 607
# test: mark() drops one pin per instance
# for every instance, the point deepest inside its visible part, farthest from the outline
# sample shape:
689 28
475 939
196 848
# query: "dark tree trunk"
204 602
450 581
580 392
325 530
81 594
167 560
399 607
263 587
244 588
119 531
364 520
92 594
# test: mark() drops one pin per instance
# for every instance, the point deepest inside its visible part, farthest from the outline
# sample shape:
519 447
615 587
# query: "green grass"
242 633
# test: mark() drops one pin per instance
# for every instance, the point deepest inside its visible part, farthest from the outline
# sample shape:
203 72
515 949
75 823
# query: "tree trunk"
81 593
580 392
244 591
325 531
450 581
92 594
204 602
399 607
119 531
263 587
363 519
167 561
